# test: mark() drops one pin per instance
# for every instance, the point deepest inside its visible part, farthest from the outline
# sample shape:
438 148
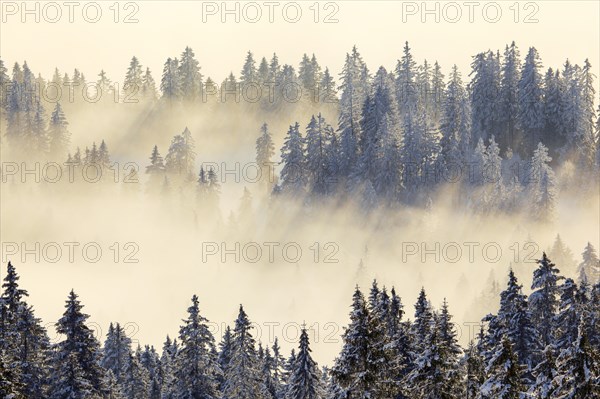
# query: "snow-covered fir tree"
544 299
305 379
76 364
504 374
195 368
242 377
293 158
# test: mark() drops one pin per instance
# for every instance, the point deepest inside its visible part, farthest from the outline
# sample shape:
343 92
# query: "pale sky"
564 29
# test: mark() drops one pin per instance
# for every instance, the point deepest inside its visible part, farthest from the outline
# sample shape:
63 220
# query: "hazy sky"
379 29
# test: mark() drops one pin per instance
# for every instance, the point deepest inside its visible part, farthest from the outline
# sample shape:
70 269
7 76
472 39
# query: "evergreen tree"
358 366
39 135
455 122
327 89
304 382
504 374
148 90
265 150
277 369
531 114
181 156
509 97
103 157
103 85
196 369
135 378
318 136
484 89
242 379
590 264
248 75
15 124
542 185
116 351
584 136
563 256
167 360
293 173
132 85
450 353
545 372
514 321
354 90
4 83
225 348
423 323
59 136
578 370
474 370
567 318
78 374
554 103
190 79
23 340
406 89
156 163
112 388
170 84
544 299
427 380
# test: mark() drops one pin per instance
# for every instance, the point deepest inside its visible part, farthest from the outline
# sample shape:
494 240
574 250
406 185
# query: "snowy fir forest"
506 150
374 138
545 345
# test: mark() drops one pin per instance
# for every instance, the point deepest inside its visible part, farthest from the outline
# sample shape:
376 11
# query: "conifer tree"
578 370
504 374
190 79
293 173
58 134
76 363
242 379
544 299
304 382
265 150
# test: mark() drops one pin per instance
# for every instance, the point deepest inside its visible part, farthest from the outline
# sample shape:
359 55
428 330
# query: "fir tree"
578 370
318 136
357 368
196 369
509 97
59 136
79 375
170 84
293 173
135 378
265 150
242 379
132 84
455 122
545 372
504 374
304 382
544 299
590 264
116 350
531 115
542 185
148 90
189 75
